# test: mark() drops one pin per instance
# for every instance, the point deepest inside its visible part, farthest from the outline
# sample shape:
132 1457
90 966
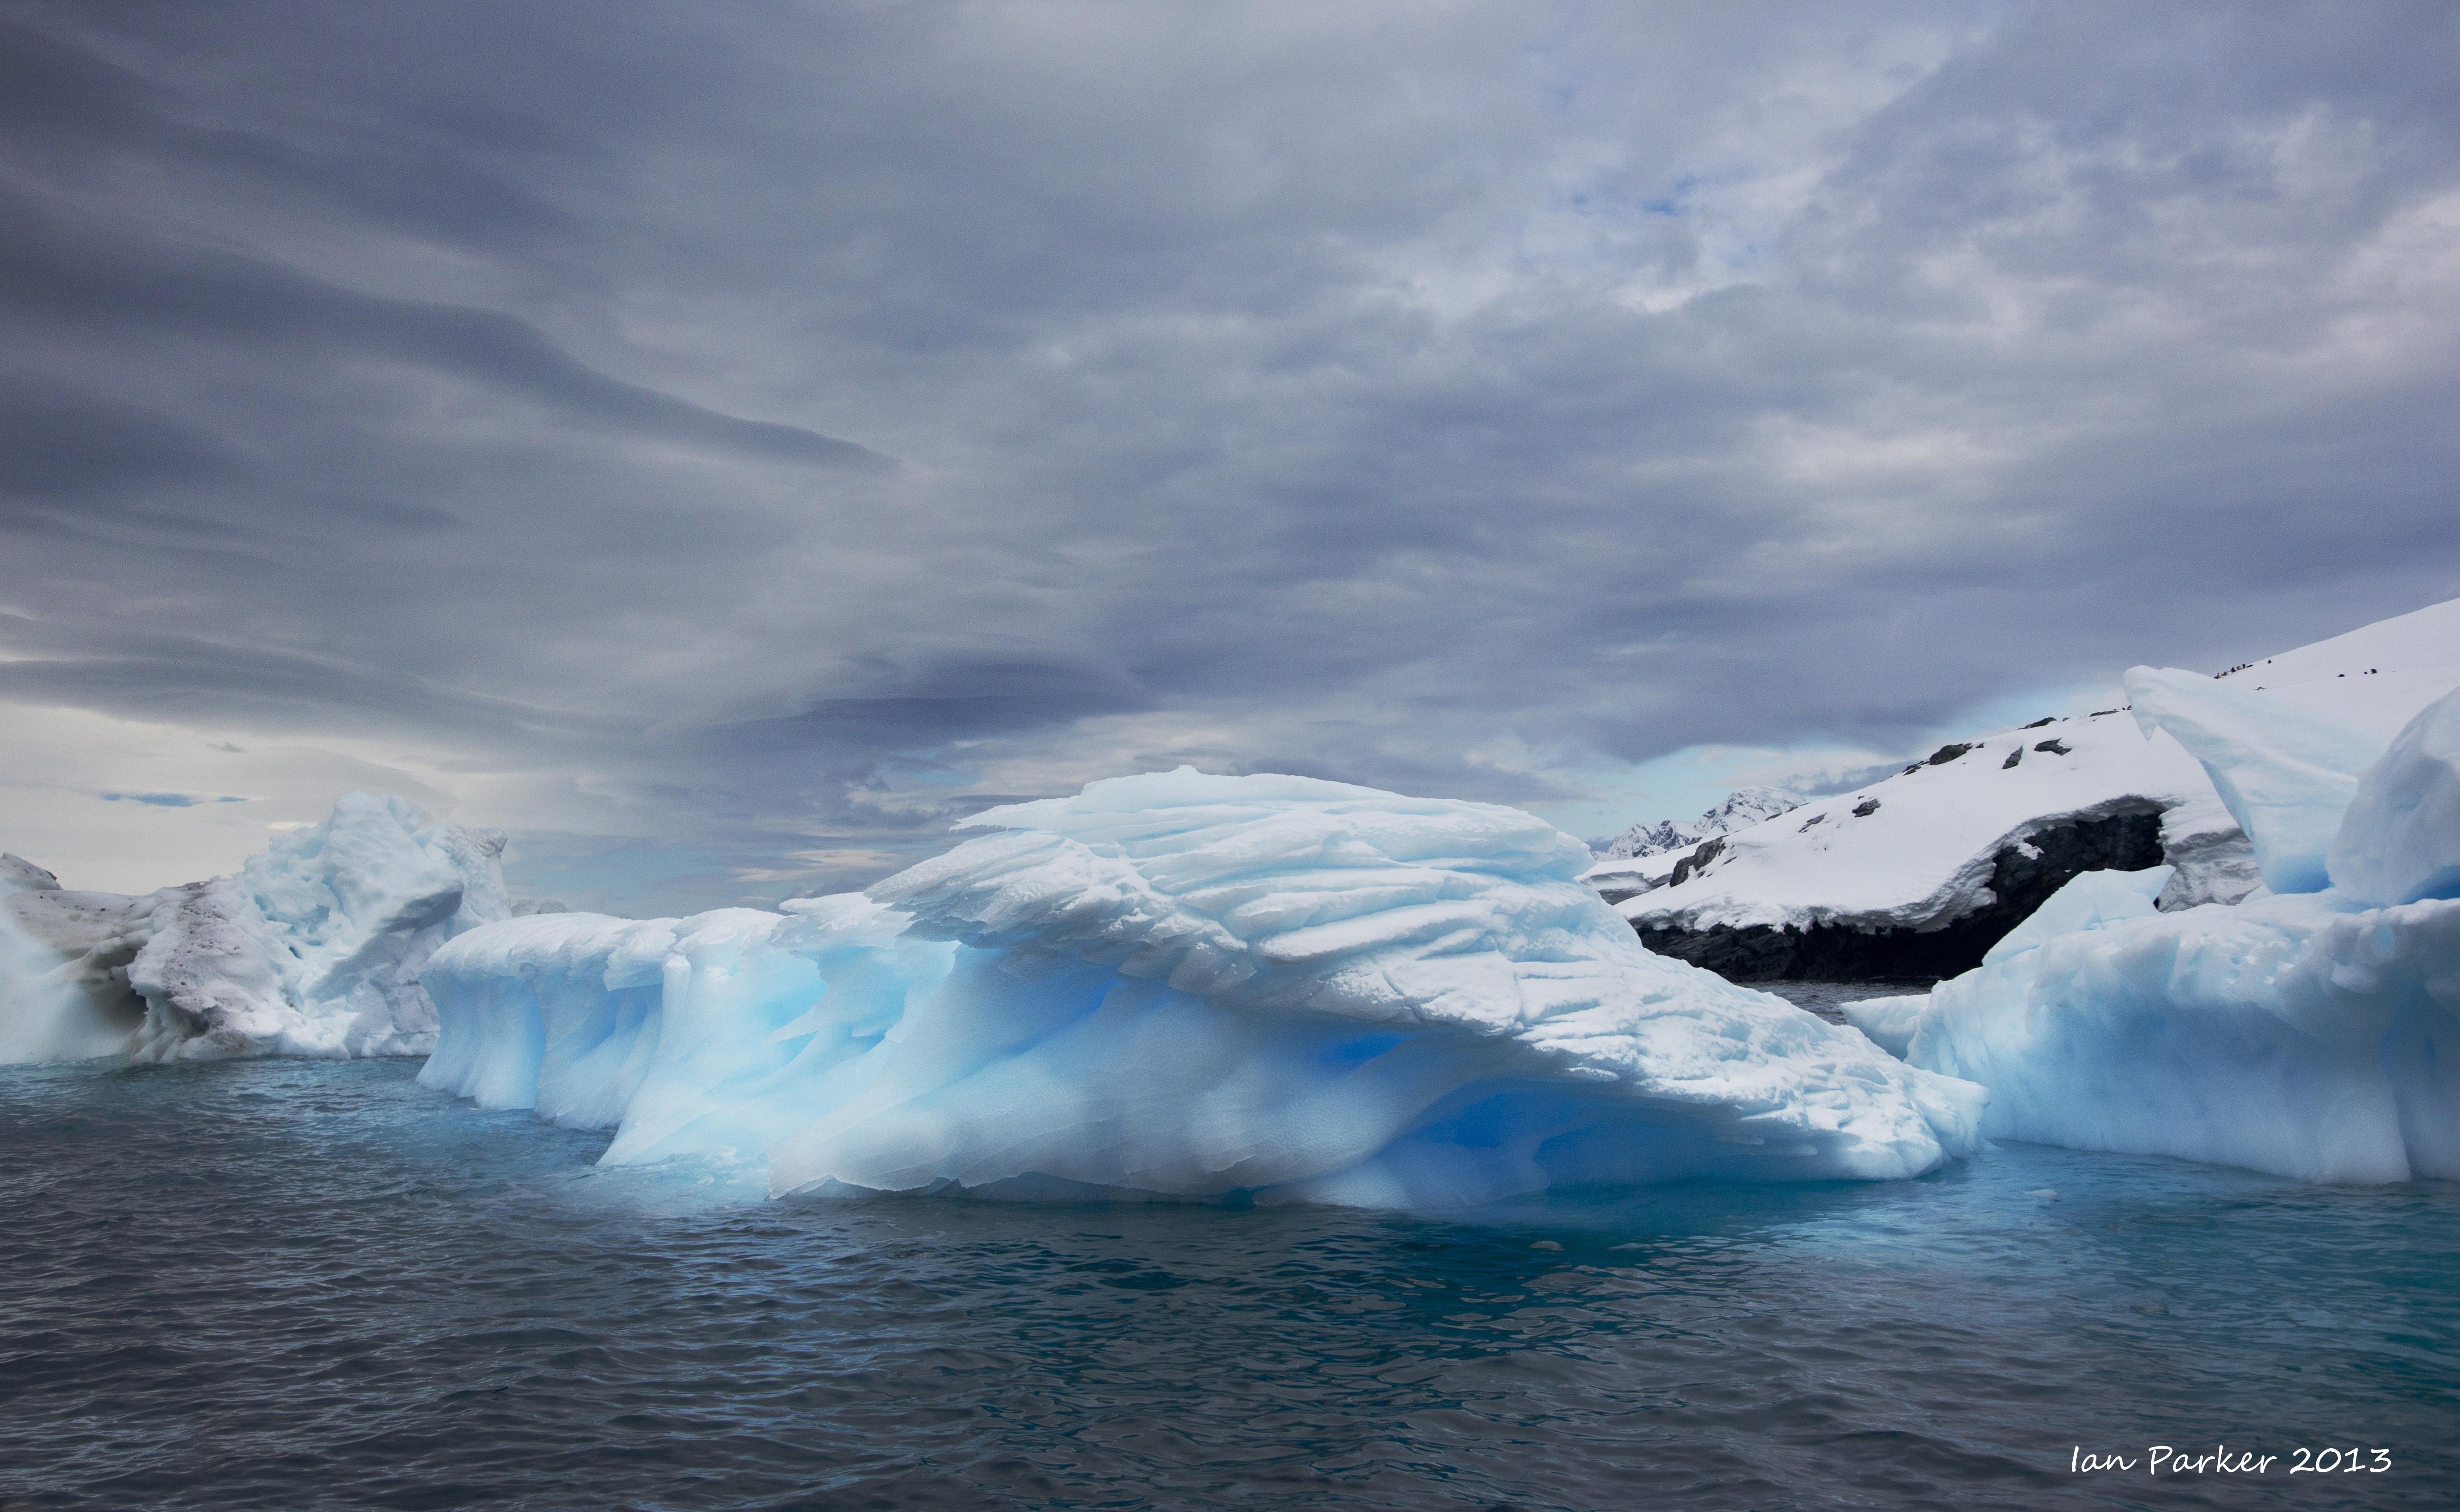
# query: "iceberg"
1255 988
313 948
2302 1033
2399 841
2285 774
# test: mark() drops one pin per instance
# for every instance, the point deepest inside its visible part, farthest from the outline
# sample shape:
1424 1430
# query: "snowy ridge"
1192 986
2376 676
313 948
1914 850
1737 809
2304 1032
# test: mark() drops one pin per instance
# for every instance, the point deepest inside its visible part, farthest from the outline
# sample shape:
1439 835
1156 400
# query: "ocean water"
296 1285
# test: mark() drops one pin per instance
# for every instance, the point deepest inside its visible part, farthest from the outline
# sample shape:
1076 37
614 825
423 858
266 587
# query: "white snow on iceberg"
2308 1033
1192 986
313 948
2286 774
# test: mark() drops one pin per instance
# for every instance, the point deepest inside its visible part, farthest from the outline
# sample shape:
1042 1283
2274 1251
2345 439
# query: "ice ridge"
1269 988
312 948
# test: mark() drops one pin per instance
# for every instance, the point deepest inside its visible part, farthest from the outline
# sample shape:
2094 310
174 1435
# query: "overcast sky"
725 444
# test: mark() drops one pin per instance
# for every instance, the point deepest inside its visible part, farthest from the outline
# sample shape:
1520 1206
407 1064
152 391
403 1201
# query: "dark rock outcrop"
2023 875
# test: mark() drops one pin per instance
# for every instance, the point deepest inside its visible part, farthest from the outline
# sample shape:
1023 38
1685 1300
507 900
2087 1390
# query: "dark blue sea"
295 1285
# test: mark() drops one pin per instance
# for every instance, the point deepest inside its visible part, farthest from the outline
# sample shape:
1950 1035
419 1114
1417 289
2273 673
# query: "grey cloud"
52 273
58 443
1450 400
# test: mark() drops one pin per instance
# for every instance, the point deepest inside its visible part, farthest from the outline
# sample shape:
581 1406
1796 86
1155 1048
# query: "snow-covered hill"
1916 875
2376 678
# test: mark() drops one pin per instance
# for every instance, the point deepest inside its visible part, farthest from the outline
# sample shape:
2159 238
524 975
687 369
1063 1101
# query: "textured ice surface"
2308 1033
312 948
2089 900
18 874
2400 840
1192 986
2285 772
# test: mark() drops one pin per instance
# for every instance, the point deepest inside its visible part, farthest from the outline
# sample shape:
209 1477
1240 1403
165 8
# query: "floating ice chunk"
312 948
2087 900
1889 1023
1194 986
2285 772
2400 840
2302 1035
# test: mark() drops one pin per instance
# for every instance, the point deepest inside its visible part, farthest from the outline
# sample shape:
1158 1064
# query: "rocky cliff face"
2023 873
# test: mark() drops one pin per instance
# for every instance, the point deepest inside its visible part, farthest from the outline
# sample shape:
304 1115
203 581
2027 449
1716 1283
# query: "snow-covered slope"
1632 863
2376 678
1916 874
313 948
1876 882
1189 985
2304 1032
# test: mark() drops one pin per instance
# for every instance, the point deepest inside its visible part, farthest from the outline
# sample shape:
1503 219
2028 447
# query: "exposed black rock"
2022 876
1689 866
2038 723
2056 748
2013 757
1947 753
1866 808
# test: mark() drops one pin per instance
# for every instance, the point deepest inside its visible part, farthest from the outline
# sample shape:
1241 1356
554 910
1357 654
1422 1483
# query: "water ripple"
306 1286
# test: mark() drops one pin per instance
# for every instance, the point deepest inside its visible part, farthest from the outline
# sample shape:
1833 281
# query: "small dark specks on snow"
2098 713
1866 808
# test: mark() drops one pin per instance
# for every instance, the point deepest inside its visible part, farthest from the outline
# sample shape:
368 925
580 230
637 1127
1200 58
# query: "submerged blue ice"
1191 986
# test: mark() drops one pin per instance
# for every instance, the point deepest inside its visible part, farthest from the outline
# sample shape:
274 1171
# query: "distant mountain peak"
1738 809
